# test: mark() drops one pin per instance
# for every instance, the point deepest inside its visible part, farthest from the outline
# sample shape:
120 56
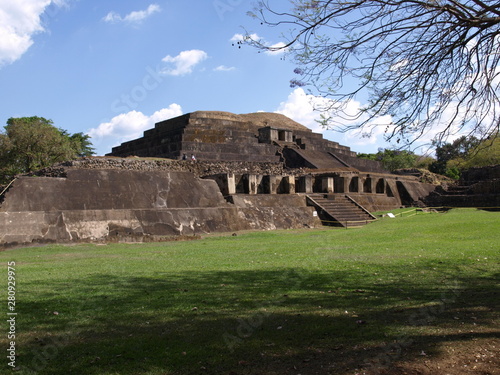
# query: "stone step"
348 213
342 210
337 208
334 205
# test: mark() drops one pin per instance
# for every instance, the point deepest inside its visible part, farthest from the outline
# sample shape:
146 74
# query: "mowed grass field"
399 295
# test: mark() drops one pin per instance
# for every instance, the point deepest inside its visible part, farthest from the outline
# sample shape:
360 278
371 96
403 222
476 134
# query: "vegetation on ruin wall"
394 293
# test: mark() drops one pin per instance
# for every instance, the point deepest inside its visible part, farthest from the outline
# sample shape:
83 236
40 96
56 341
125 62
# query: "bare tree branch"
428 64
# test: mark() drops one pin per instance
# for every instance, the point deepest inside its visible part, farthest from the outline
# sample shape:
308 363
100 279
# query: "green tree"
459 149
31 143
393 159
80 143
423 63
8 167
486 153
368 156
424 162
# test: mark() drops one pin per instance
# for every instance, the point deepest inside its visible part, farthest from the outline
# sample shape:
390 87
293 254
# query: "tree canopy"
486 153
393 159
464 153
423 64
31 143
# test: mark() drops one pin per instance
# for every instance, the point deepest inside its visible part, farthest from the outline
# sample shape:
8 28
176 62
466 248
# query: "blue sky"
113 68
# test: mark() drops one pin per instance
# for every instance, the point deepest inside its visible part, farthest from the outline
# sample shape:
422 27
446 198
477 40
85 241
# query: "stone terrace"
225 136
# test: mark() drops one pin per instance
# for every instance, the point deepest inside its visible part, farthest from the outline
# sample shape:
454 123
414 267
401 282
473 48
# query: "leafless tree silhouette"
429 64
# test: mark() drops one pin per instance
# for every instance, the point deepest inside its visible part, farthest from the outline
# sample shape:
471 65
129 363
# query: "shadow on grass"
247 322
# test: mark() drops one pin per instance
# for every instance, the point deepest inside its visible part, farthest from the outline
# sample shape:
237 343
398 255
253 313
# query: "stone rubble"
199 168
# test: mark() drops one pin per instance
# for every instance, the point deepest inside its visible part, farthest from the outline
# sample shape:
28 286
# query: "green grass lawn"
324 301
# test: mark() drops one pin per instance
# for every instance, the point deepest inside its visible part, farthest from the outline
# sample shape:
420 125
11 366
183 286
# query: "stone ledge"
198 168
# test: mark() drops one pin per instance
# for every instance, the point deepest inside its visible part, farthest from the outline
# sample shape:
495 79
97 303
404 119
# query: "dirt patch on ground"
478 356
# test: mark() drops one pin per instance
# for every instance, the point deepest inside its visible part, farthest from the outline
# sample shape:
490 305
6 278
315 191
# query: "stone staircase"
452 195
339 210
457 190
478 187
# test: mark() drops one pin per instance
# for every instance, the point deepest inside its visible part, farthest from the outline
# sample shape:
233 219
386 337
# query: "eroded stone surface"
101 204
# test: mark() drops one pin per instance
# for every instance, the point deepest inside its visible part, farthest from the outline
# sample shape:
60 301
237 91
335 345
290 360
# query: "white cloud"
135 17
276 48
184 62
223 68
20 20
302 108
442 127
240 38
128 126
371 137
112 17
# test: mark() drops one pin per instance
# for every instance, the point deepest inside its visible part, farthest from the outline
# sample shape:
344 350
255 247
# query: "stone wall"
465 200
102 189
282 211
375 191
102 204
473 175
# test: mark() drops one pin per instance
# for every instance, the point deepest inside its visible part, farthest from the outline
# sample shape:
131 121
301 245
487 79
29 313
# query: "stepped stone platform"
254 137
478 187
253 171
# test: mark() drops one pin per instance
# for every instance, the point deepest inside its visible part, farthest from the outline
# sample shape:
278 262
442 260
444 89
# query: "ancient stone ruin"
478 187
253 171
